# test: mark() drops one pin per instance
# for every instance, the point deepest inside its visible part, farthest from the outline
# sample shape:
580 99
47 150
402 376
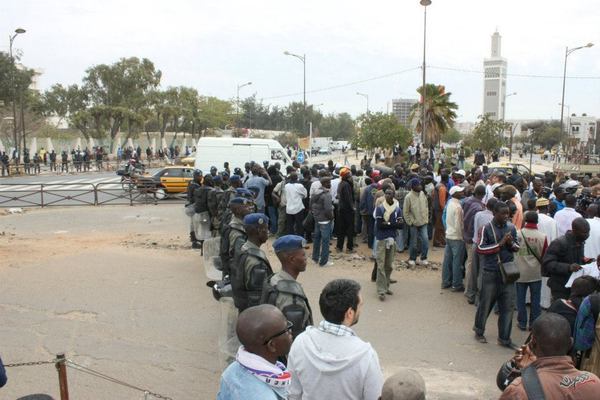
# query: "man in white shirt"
564 218
592 245
329 361
546 224
454 253
295 192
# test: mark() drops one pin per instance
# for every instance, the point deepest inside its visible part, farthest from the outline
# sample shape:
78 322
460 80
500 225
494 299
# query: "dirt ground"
119 290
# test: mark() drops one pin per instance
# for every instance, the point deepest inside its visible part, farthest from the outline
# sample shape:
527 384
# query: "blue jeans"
420 231
494 290
400 240
321 243
273 218
454 255
535 290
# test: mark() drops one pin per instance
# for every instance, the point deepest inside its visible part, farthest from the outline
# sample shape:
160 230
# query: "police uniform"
286 293
250 268
233 236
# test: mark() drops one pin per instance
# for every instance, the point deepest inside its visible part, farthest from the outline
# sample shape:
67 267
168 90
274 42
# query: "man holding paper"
564 256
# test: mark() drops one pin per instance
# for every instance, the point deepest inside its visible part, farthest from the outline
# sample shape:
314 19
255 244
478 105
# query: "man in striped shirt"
497 243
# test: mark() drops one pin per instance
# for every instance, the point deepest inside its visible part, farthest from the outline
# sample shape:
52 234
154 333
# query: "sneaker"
458 289
411 263
424 262
382 297
480 338
329 264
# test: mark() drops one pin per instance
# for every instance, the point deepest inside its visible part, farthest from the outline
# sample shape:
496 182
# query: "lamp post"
569 120
512 129
424 3
239 86
18 31
366 96
562 102
303 59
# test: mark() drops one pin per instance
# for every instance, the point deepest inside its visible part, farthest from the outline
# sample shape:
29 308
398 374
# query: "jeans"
385 259
418 231
273 219
321 238
400 240
535 290
454 254
494 290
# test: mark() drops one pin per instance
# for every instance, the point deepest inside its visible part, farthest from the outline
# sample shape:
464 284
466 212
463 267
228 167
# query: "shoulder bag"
509 270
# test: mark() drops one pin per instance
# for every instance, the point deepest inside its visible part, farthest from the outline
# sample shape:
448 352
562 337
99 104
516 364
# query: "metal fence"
84 194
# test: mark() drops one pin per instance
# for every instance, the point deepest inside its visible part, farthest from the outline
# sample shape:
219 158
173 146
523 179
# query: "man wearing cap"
416 216
233 235
345 212
251 267
283 290
389 220
454 254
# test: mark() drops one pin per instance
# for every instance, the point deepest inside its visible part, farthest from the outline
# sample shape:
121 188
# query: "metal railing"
84 194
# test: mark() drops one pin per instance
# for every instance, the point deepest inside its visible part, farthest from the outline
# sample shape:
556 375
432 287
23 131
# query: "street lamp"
239 86
424 3
562 102
303 59
366 96
18 31
512 130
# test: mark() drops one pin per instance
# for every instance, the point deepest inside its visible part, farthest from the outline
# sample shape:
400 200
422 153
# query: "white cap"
461 172
455 189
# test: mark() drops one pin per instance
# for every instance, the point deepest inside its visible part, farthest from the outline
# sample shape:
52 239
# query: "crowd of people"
506 235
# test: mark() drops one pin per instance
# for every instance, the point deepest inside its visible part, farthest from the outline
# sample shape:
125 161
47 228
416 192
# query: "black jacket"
561 253
346 196
201 198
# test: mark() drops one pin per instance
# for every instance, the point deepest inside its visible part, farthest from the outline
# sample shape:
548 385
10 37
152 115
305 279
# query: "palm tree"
439 112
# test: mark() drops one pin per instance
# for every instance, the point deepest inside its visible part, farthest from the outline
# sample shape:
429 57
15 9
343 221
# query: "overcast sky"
214 45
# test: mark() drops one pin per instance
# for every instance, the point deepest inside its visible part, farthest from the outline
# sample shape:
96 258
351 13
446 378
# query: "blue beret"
414 182
234 178
243 192
288 242
256 219
239 200
217 178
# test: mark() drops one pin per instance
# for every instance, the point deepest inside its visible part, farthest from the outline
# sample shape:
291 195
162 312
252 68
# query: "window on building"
491 93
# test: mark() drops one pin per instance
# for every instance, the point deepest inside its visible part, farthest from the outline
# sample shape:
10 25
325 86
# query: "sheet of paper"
590 269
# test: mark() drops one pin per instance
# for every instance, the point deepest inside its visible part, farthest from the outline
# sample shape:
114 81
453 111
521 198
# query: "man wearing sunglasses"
330 361
265 335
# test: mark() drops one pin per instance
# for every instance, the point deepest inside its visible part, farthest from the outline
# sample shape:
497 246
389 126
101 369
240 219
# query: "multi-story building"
401 109
494 81
582 132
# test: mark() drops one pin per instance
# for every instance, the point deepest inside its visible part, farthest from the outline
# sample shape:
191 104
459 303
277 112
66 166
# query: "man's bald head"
406 384
551 335
581 229
257 324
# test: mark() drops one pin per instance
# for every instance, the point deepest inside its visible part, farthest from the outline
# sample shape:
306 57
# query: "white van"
213 151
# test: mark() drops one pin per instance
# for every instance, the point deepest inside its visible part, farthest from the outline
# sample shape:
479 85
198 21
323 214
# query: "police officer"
223 209
194 184
251 267
214 198
233 235
283 290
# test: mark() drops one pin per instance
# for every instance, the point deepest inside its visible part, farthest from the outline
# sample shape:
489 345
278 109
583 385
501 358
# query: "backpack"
224 253
294 312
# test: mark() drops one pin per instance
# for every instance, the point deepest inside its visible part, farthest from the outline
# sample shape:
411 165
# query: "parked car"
324 150
173 180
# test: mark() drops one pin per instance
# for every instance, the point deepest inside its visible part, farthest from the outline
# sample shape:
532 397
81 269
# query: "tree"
547 135
118 92
338 127
451 136
488 134
381 130
439 112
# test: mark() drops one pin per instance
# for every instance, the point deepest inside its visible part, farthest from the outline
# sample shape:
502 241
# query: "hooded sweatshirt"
328 366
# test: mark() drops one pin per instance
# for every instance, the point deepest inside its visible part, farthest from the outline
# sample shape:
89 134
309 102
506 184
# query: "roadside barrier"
62 363
84 194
